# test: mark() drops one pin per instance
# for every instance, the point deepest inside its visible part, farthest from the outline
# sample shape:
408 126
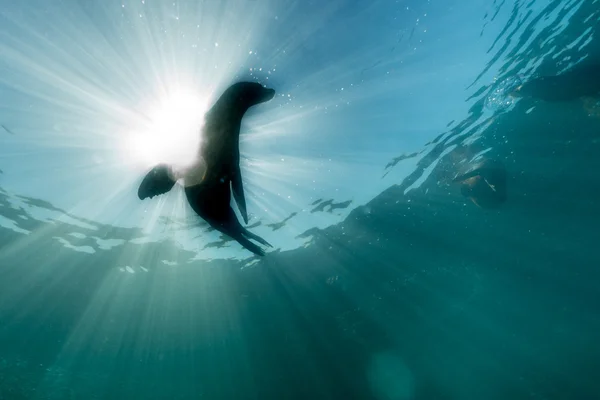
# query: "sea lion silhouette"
484 184
583 80
215 174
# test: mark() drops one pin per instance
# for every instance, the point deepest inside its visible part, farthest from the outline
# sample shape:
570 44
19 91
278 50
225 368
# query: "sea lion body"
578 82
210 181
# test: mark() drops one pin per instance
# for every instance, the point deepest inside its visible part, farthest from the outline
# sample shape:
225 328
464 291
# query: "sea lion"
484 184
216 172
578 82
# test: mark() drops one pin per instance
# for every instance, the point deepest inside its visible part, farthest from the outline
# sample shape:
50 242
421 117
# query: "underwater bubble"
500 99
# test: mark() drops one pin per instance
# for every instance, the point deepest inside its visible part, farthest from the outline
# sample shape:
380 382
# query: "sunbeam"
109 90
172 135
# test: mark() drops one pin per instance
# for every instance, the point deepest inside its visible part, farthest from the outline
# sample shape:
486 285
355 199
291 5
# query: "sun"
171 132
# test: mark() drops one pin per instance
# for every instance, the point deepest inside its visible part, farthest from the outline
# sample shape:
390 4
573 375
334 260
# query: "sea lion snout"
268 94
249 94
259 94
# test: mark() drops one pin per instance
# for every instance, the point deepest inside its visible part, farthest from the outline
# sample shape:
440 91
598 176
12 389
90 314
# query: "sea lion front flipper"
156 182
465 176
474 200
238 193
254 236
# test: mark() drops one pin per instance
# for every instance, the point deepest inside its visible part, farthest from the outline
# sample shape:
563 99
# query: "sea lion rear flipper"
249 245
254 236
236 231
238 193
156 182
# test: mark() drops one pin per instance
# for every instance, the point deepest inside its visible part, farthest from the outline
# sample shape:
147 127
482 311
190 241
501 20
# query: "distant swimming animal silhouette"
583 80
215 174
6 129
484 183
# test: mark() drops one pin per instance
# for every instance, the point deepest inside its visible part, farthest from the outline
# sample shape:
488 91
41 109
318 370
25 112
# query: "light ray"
107 83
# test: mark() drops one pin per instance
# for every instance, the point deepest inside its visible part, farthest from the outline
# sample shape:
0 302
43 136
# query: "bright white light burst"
171 133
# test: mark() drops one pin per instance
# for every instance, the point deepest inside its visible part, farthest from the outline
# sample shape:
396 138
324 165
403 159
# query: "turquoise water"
384 281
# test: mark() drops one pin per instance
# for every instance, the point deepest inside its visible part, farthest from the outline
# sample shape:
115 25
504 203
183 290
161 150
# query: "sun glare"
172 132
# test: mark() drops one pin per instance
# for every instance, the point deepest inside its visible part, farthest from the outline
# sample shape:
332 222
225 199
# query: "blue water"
384 282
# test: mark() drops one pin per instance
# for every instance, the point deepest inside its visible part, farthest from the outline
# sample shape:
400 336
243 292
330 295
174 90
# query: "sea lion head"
243 95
